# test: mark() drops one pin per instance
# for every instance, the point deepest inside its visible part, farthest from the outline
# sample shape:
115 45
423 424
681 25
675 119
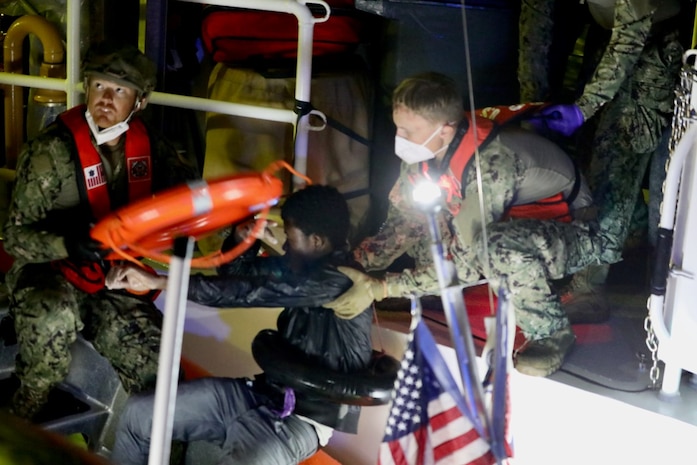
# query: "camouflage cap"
120 63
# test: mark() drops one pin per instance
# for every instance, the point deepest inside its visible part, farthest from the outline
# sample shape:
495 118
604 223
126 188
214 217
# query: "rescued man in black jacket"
258 421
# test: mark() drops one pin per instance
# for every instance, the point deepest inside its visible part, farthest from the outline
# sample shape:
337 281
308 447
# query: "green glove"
358 297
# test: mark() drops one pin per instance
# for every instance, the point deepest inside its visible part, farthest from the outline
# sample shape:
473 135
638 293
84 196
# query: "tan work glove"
133 278
358 297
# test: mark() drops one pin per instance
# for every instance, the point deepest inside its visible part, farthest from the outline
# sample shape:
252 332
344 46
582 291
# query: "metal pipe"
459 329
306 26
23 80
7 175
53 57
221 106
72 84
73 87
303 72
170 351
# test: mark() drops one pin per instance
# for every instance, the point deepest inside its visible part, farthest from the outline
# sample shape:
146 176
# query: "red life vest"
89 276
138 161
486 123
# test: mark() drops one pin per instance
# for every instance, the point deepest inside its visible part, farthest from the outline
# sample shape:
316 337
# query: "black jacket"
335 343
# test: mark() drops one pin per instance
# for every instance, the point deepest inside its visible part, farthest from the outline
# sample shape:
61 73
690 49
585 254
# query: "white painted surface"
553 423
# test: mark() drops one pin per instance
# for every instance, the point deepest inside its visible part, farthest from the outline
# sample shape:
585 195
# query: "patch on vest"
94 176
139 169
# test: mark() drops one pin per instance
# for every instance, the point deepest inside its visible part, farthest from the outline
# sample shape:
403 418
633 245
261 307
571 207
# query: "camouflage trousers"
49 313
629 131
626 138
528 255
548 31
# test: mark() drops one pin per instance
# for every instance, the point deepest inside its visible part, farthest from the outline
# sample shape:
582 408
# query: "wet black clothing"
335 343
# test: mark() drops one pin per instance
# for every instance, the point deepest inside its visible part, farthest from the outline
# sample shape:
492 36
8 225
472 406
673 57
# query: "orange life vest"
486 123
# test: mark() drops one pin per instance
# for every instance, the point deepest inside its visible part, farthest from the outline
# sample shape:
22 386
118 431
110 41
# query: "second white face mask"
108 134
411 152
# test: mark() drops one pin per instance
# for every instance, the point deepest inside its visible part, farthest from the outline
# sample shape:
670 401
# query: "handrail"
303 72
685 148
306 21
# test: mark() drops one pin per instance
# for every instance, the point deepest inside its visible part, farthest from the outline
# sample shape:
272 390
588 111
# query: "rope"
470 89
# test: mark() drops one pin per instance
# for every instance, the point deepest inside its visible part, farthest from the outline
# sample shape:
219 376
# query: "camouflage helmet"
120 63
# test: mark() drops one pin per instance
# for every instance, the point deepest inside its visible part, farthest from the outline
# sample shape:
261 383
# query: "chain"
683 116
652 344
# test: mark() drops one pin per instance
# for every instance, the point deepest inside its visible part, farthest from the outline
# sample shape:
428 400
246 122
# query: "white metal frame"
673 315
72 84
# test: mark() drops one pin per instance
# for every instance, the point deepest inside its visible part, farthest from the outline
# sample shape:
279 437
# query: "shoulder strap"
468 143
88 164
138 160
488 121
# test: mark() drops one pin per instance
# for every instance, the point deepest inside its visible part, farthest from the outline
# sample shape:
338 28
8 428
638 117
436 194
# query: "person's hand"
133 278
564 119
81 246
244 230
359 296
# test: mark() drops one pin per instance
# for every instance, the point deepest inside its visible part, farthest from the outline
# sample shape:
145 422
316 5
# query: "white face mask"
108 134
411 152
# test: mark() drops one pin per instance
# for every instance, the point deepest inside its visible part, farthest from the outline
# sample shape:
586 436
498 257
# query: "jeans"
223 411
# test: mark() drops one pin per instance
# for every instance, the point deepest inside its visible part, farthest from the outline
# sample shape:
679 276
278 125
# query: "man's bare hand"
244 230
134 278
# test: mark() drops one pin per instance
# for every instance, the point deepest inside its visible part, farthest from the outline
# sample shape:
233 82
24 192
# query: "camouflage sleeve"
629 33
396 236
423 279
535 26
45 182
401 231
501 173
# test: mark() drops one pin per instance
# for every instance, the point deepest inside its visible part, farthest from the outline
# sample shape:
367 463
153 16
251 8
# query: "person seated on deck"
252 420
93 159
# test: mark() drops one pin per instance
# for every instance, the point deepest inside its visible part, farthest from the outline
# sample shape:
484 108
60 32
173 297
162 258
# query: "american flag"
94 176
426 423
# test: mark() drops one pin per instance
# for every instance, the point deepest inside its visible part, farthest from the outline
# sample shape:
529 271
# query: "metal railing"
73 88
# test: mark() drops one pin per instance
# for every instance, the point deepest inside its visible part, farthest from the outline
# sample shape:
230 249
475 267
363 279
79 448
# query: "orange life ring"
148 227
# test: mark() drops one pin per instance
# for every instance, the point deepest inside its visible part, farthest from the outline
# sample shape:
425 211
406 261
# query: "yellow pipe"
53 63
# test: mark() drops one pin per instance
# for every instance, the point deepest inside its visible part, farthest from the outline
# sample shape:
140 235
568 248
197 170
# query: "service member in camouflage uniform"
47 232
629 93
517 168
